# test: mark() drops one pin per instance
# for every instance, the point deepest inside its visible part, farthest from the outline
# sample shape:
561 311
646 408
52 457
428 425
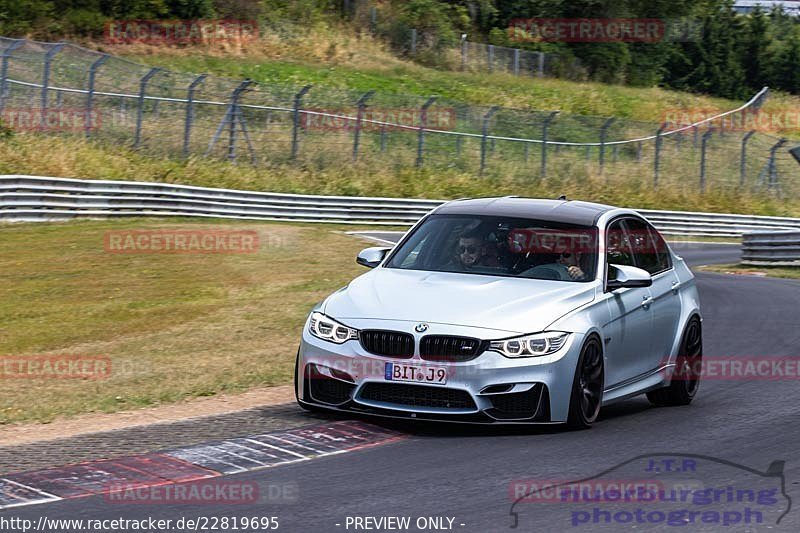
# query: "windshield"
500 246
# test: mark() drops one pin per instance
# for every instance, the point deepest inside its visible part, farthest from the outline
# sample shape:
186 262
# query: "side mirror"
372 257
627 277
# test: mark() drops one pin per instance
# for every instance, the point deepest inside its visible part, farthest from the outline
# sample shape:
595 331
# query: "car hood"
502 303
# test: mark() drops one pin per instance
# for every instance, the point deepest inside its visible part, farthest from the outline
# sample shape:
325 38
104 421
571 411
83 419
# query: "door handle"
675 286
646 301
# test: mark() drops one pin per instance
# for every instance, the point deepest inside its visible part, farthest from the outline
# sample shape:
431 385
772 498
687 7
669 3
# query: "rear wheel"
587 386
686 378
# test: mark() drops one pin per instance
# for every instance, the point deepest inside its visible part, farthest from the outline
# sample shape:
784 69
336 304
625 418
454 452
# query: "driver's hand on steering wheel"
575 272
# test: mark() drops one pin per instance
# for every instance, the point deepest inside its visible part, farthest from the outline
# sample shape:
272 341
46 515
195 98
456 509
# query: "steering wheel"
554 271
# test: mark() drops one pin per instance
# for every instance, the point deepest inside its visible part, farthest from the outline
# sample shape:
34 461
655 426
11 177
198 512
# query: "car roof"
563 211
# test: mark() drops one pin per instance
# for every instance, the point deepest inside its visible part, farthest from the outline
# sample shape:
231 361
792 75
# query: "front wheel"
587 386
686 378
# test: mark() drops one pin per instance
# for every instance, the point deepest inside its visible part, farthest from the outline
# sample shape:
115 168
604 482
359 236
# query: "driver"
571 260
474 250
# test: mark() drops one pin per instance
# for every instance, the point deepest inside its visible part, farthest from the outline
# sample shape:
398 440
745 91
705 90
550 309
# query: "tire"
682 391
587 386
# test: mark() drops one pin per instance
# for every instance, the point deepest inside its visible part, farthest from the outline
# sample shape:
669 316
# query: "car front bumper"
490 388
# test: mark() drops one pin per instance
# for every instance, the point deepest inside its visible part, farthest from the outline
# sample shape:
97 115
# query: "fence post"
187 128
545 127
235 117
423 122
639 152
373 19
140 112
4 71
703 146
485 132
362 105
464 46
90 93
540 69
383 137
773 170
298 99
516 61
743 158
490 56
657 156
603 133
413 41
48 59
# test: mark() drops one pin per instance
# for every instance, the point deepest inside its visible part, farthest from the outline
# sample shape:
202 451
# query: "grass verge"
174 326
745 270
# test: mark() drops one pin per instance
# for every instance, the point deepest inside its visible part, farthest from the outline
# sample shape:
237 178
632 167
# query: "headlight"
328 329
538 344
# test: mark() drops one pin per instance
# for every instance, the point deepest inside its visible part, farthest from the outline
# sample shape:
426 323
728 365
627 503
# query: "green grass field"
174 326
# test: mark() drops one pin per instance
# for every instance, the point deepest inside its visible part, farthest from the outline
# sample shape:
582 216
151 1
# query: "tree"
756 60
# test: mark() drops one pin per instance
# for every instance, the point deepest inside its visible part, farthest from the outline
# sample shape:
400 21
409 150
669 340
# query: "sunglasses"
468 249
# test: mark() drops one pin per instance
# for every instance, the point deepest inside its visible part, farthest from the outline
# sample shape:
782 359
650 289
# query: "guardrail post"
540 62
187 127
298 100
140 112
423 122
362 105
545 126
743 157
773 170
459 140
383 137
603 133
657 155
413 41
4 70
48 60
516 61
90 93
639 152
484 133
703 147
490 56
373 19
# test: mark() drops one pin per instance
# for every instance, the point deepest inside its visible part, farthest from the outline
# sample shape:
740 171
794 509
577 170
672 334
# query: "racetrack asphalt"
442 470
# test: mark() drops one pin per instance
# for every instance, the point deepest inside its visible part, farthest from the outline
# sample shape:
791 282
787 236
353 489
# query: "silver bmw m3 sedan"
508 310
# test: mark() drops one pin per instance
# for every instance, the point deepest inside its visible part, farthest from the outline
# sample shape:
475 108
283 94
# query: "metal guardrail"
35 198
771 248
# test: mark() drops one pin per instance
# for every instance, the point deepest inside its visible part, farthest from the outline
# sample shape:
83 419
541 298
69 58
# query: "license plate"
416 374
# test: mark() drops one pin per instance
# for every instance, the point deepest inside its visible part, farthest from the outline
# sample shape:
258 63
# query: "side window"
662 252
644 250
618 246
